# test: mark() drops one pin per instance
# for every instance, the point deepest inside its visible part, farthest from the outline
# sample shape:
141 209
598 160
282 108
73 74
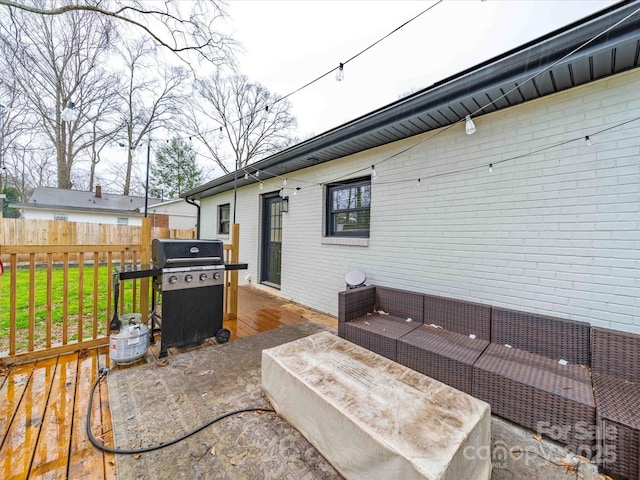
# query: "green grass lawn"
57 303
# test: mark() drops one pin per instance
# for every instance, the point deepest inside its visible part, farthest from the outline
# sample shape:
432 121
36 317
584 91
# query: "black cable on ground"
96 443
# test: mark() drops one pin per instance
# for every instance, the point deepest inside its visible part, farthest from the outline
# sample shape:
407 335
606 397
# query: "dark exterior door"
271 240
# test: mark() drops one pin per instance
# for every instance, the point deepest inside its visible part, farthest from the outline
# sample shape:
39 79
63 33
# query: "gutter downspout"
188 200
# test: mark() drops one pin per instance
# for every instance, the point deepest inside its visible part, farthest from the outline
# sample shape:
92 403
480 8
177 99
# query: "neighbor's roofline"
64 208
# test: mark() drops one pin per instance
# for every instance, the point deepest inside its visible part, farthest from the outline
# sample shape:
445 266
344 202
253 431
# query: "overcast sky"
289 43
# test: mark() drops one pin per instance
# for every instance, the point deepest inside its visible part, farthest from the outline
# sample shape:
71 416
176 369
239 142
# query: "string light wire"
484 165
448 127
530 79
391 33
320 77
517 157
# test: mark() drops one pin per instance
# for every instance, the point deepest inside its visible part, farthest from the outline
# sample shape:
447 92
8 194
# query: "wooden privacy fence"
18 231
58 298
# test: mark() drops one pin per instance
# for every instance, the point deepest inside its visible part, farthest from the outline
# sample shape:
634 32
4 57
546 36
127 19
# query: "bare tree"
52 51
29 166
12 126
252 122
102 132
52 61
150 99
180 27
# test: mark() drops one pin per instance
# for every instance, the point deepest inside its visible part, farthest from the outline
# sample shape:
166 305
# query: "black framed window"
223 219
348 208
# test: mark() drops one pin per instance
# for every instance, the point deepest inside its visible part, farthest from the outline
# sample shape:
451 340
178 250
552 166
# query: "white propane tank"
130 344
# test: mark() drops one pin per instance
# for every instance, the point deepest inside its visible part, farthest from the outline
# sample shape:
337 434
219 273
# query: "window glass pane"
224 212
351 222
223 219
351 197
348 207
364 196
275 235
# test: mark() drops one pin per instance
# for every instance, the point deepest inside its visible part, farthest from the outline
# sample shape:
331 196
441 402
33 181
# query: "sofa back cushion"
400 303
551 337
458 316
615 353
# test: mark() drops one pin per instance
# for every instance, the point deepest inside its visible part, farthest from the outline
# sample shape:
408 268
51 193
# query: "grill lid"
186 253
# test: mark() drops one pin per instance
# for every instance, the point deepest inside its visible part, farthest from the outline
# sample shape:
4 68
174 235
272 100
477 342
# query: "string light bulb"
491 168
246 176
469 126
284 182
261 186
374 174
340 73
295 192
220 134
69 113
587 141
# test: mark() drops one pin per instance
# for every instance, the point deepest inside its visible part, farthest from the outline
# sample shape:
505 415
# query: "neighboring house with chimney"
49 203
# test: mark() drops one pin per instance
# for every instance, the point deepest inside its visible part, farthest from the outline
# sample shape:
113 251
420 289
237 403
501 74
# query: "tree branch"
203 39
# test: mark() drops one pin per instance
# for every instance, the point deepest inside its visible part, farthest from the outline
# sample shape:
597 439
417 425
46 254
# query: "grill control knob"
188 277
173 279
203 276
216 275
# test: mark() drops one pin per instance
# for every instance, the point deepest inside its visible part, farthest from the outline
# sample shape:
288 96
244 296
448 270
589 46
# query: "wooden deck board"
20 442
11 394
43 405
85 461
52 450
105 415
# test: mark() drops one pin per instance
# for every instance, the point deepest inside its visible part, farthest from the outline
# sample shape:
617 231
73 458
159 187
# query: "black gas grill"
192 288
189 277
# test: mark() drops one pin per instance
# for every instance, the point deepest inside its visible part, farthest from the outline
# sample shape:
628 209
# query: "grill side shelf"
236 266
139 271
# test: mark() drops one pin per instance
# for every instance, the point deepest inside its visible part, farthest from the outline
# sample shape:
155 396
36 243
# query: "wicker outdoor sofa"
533 370
615 358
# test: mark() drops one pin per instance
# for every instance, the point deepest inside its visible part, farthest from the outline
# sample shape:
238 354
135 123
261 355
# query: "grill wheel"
223 335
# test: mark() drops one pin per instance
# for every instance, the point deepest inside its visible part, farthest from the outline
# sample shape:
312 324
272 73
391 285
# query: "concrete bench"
373 418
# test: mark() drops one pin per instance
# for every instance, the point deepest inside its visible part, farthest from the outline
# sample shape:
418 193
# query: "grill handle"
196 260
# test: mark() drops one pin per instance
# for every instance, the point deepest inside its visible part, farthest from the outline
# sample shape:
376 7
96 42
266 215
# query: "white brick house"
553 228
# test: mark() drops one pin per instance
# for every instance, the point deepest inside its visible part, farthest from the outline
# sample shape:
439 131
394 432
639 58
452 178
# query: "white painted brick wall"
555 232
